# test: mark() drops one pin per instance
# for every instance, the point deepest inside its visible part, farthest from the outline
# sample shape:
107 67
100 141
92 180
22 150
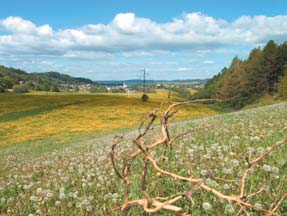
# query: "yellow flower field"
32 116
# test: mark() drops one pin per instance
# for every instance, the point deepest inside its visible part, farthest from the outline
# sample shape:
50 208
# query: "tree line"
21 81
245 81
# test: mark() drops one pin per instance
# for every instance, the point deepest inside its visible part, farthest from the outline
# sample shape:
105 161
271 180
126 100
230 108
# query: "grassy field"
79 179
41 116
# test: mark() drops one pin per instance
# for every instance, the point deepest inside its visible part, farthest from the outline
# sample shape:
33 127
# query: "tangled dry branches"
155 204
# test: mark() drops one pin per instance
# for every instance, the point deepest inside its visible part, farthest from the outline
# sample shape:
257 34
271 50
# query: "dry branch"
153 205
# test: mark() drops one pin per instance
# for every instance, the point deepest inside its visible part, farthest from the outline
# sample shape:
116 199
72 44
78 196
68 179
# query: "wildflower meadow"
80 179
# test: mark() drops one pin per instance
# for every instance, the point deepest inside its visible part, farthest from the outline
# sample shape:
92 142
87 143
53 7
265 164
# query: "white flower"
250 149
254 138
49 195
226 186
62 190
78 205
62 196
206 206
11 199
58 203
267 168
75 195
227 171
33 198
89 208
282 162
70 204
275 169
235 137
85 202
204 172
258 205
39 190
90 198
235 163
229 208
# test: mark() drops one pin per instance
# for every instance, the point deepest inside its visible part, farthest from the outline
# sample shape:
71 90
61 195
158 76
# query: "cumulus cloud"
18 25
45 30
130 35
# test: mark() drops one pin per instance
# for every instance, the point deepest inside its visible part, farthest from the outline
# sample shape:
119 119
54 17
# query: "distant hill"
11 76
245 81
139 81
62 78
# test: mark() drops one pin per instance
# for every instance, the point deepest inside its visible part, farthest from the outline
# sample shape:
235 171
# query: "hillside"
11 76
79 180
245 81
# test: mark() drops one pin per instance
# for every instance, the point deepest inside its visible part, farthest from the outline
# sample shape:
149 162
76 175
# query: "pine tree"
270 67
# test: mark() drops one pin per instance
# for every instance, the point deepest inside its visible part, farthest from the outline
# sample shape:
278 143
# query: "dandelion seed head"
258 205
229 208
89 208
206 206
204 172
267 168
33 198
39 190
62 196
58 203
226 186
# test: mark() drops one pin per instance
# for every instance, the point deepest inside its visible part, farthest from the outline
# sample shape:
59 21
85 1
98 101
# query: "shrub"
144 98
98 89
20 89
54 88
2 90
45 87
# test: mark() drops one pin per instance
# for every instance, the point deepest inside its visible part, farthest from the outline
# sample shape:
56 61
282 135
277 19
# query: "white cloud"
129 35
18 25
184 69
208 62
45 30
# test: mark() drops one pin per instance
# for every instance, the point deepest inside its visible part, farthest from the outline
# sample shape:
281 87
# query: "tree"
45 87
20 89
30 84
255 80
6 82
54 88
77 89
2 90
144 98
233 84
243 82
282 86
270 66
282 58
98 89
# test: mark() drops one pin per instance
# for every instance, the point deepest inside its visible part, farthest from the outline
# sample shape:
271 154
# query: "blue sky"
114 39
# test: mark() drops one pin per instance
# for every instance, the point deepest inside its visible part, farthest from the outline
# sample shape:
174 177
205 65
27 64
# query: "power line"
144 80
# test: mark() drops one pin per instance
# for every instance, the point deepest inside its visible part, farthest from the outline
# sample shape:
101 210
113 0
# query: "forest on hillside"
245 81
21 81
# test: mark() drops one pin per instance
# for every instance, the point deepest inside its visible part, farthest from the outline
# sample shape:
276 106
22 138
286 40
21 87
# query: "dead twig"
153 205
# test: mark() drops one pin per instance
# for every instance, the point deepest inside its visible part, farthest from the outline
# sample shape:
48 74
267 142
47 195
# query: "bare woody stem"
153 205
